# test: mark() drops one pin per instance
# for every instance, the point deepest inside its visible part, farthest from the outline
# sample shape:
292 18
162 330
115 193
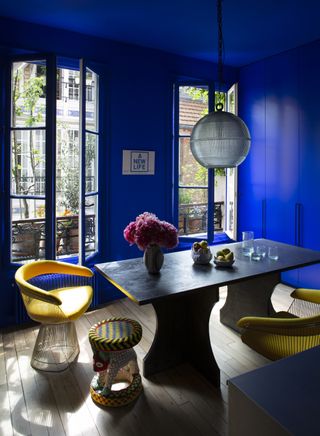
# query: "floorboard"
178 401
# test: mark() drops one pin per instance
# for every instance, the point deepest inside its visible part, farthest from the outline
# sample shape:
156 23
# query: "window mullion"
6 174
82 143
211 205
211 180
192 187
29 197
51 159
175 166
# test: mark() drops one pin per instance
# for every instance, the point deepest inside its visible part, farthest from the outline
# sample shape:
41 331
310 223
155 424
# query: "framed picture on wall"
138 162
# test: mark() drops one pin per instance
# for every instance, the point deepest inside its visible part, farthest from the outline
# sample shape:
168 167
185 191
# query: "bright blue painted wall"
279 101
137 115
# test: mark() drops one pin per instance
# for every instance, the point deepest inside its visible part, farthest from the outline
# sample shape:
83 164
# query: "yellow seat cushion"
75 301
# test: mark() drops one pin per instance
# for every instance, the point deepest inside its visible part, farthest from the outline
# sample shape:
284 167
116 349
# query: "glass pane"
68 91
220 188
28 90
68 149
27 229
193 210
67 235
67 210
91 228
68 163
191 173
231 102
193 105
91 162
68 94
232 176
28 162
68 171
231 206
92 86
220 97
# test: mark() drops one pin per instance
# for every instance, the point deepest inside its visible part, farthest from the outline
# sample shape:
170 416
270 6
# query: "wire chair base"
56 347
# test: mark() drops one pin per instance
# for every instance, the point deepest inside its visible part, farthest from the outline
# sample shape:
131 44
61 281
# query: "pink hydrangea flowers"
148 230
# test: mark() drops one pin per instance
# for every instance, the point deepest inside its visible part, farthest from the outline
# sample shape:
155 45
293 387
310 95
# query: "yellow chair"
286 333
55 294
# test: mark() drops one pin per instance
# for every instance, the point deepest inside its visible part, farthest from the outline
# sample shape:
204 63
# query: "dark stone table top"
180 275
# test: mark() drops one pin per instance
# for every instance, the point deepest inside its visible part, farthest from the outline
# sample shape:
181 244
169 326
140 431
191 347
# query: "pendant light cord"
219 105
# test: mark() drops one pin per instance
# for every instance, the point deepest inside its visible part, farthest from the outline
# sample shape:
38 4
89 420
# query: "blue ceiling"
253 29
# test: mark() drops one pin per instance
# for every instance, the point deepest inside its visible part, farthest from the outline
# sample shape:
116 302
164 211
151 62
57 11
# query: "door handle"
298 236
263 218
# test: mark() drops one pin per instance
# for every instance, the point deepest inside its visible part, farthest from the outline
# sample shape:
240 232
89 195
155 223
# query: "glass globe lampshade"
220 140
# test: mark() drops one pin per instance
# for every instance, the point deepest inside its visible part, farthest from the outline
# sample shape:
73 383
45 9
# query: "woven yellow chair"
55 294
286 333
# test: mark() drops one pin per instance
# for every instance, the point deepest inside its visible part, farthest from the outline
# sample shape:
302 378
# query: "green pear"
229 256
204 244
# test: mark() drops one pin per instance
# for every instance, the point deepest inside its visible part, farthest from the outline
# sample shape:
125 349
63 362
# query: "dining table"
183 294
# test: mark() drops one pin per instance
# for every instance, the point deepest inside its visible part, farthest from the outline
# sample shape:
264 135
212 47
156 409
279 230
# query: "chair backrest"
306 302
31 270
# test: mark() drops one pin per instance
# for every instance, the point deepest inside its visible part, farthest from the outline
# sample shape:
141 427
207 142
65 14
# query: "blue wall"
137 100
278 182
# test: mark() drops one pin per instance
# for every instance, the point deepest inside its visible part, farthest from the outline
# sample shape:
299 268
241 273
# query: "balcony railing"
28 237
193 218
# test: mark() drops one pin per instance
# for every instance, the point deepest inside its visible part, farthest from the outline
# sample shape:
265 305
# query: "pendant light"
220 139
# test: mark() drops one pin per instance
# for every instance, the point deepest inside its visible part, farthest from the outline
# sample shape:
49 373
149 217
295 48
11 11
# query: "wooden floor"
176 402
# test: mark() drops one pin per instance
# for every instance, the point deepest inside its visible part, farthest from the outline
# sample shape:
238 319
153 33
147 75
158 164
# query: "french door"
52 159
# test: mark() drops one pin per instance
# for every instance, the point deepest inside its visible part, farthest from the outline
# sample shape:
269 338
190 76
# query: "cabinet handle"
263 217
298 239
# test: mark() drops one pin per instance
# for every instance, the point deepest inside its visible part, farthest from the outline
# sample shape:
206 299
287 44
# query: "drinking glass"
261 250
255 255
247 243
273 252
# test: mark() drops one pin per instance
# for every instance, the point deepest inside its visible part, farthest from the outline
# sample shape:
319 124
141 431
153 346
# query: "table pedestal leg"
249 298
182 334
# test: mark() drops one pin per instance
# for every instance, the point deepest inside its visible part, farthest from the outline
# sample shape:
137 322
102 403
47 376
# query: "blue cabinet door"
309 68
282 151
282 146
280 179
251 174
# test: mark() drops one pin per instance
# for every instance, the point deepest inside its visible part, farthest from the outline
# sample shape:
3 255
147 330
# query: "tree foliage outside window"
69 166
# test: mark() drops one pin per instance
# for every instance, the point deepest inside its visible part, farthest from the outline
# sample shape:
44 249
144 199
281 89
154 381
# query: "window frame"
210 232
176 139
50 159
49 128
232 172
83 131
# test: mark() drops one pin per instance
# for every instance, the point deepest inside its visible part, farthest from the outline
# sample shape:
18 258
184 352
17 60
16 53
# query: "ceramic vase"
153 259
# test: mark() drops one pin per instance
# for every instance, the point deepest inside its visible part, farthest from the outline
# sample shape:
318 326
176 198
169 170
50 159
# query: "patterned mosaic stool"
115 361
